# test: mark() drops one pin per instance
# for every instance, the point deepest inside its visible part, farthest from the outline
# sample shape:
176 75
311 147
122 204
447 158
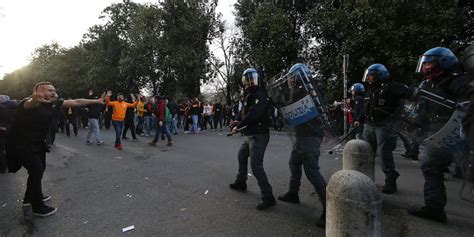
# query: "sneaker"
266 203
44 199
434 214
119 147
238 186
44 211
100 142
88 143
135 140
169 144
321 222
390 187
152 143
124 138
289 197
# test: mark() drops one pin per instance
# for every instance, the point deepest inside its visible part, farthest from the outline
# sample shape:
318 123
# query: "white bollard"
358 155
354 206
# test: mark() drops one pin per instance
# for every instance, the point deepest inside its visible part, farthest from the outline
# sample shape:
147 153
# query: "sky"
29 24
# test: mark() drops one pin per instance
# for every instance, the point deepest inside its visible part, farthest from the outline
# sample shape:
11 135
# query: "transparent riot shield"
301 105
433 120
430 120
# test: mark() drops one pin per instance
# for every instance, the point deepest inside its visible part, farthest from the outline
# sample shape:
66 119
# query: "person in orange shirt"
118 116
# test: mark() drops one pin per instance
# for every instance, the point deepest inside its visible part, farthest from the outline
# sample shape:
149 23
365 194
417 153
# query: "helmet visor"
367 73
250 79
422 60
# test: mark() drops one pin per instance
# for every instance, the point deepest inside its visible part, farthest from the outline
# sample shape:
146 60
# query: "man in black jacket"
253 123
26 141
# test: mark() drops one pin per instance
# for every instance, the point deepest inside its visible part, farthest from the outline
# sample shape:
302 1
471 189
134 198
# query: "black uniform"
254 123
453 86
358 114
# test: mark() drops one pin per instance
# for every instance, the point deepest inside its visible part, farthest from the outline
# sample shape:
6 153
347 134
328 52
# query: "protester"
118 116
26 141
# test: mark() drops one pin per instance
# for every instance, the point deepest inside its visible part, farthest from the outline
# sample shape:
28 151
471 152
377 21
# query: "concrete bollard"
358 155
354 206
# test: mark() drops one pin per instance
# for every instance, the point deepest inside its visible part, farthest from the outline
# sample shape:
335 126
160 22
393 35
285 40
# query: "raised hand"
39 97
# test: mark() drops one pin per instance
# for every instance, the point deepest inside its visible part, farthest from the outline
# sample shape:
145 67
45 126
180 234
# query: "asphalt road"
183 191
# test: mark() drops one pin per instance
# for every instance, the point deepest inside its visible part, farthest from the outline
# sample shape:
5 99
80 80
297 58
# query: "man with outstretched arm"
26 142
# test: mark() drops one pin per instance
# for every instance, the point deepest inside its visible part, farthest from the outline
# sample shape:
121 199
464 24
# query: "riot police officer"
443 76
253 122
384 97
305 152
468 61
358 94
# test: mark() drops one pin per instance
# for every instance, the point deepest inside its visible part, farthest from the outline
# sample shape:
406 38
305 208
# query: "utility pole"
345 66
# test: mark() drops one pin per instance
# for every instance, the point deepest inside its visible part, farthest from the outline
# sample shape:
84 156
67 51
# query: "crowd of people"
375 100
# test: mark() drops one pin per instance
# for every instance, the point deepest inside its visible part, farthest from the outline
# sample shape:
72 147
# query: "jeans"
434 164
383 141
93 128
162 129
118 126
305 153
174 124
148 125
254 148
194 128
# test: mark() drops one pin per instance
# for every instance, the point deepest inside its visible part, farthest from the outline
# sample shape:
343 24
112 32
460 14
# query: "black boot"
390 186
290 197
266 203
239 186
321 222
435 214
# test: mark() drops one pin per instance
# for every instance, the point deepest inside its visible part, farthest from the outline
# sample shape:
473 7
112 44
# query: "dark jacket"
94 110
7 112
253 117
358 111
382 102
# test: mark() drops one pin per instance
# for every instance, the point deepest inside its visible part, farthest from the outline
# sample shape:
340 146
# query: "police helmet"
298 72
443 58
378 70
250 77
358 88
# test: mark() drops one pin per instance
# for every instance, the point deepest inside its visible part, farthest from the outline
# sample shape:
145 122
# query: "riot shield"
301 104
430 119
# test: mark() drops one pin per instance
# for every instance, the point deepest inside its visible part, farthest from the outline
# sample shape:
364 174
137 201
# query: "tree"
187 27
393 33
